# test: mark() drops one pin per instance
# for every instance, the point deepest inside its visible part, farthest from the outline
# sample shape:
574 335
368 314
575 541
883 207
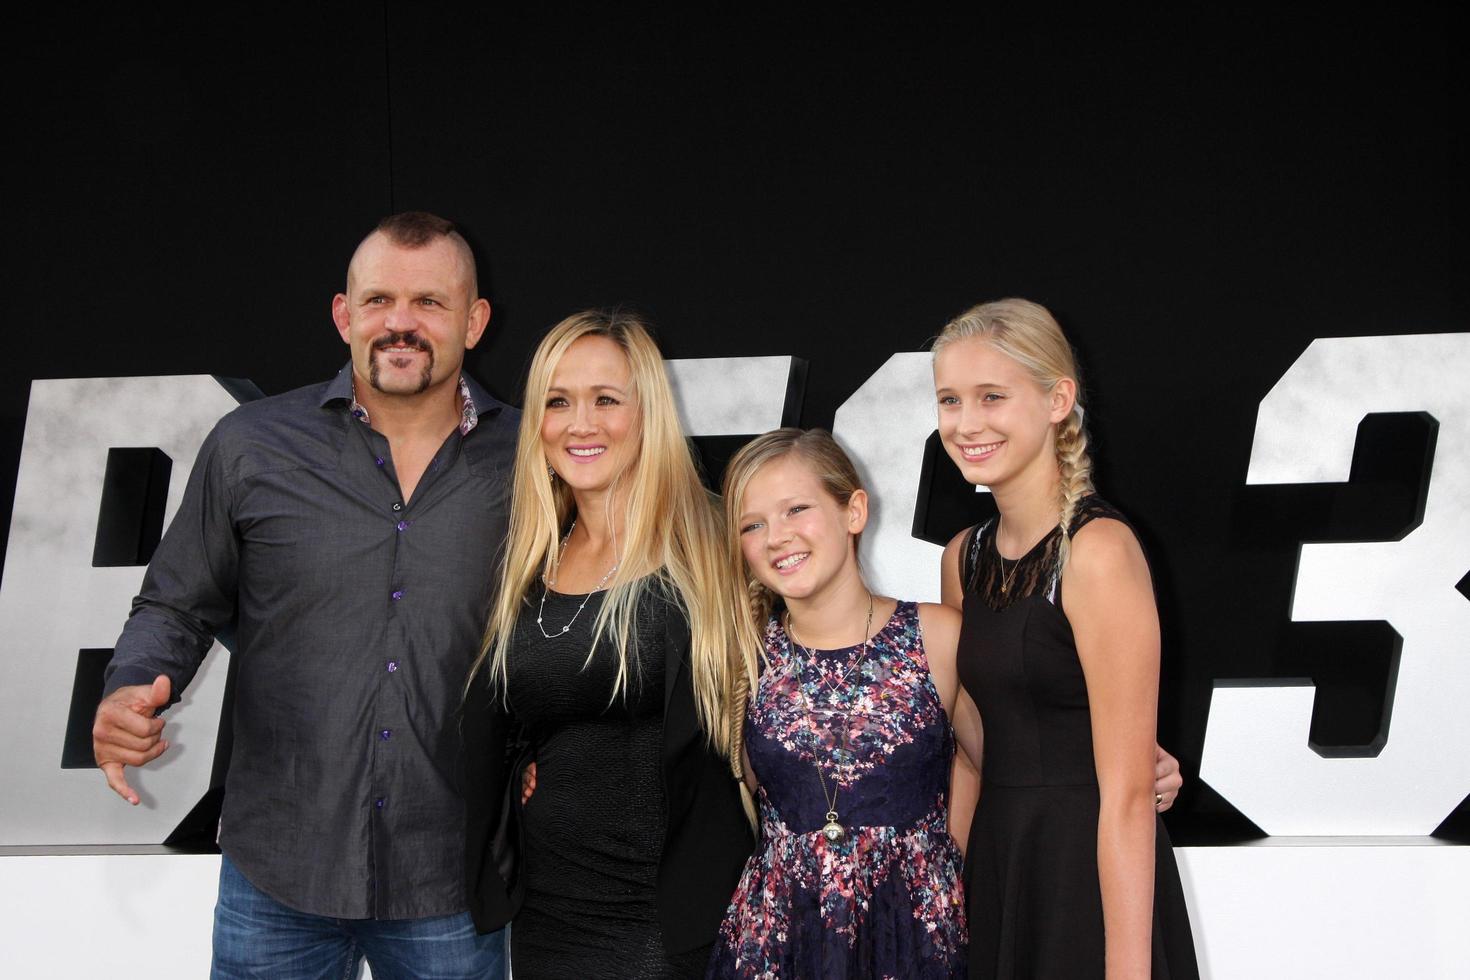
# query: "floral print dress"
883 898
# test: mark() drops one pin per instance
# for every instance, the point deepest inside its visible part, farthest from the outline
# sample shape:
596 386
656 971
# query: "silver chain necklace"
551 584
832 829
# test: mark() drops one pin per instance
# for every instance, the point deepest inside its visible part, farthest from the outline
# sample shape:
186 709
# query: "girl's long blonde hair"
831 465
672 543
1028 334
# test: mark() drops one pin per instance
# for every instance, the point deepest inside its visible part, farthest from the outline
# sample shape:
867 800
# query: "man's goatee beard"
401 340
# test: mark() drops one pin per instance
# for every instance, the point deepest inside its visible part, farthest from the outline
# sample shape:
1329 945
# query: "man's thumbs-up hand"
126 733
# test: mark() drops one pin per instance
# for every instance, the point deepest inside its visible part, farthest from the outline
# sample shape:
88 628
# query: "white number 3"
1256 752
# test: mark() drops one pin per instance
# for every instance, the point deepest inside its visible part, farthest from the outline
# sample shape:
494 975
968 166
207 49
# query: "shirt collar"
344 388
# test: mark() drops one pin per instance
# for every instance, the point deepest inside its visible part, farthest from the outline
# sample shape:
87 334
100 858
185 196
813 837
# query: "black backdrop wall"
1197 198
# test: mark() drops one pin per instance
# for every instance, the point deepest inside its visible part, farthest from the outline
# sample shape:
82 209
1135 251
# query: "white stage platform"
1287 907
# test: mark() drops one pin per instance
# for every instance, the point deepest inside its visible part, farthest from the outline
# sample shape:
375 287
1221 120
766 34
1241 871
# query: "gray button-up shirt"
354 617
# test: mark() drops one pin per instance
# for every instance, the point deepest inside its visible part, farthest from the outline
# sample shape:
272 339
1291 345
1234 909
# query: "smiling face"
995 421
797 539
409 314
589 432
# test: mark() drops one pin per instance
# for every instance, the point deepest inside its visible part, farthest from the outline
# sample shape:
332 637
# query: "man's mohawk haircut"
415 229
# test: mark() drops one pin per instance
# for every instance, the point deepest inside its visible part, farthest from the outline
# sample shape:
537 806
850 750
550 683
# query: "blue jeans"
257 936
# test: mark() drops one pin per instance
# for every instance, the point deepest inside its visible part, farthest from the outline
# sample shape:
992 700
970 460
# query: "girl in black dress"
1069 872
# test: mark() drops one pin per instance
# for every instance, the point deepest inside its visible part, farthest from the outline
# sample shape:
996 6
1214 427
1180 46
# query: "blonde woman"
1069 872
609 642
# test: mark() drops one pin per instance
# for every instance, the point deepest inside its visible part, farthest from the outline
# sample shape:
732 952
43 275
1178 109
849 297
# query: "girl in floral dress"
847 739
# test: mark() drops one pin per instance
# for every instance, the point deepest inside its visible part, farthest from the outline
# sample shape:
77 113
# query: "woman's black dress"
593 832
1031 867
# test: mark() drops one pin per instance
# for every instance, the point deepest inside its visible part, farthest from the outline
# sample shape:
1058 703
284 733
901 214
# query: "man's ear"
479 320
342 317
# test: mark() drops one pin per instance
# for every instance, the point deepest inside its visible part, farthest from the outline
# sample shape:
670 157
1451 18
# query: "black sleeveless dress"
1035 905
593 832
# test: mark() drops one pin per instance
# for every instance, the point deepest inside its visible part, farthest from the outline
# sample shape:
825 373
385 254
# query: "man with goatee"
342 535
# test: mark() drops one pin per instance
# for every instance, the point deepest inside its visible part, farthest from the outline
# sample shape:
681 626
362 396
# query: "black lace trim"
1001 582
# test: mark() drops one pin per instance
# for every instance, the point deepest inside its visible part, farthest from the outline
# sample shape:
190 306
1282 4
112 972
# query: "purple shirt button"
397 594
379 802
385 734
378 460
403 525
392 666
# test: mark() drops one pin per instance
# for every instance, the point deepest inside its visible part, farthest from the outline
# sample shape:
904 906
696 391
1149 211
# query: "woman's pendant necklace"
541 610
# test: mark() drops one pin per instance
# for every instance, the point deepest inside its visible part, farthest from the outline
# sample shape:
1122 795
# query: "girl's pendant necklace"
1006 578
832 829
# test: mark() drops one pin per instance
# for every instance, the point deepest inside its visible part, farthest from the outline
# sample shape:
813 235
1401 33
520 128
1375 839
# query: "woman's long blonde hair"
672 543
1028 334
819 450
